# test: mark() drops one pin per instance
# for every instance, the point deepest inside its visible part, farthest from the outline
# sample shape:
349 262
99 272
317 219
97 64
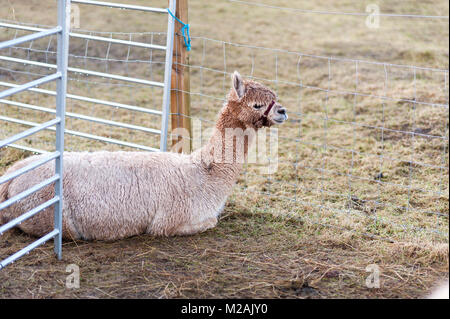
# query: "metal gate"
63 33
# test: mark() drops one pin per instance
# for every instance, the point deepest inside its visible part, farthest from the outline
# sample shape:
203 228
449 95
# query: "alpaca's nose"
281 111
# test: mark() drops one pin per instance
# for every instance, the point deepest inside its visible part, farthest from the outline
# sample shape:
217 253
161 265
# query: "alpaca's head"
253 104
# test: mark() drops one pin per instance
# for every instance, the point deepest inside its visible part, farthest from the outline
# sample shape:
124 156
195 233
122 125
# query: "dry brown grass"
246 256
310 229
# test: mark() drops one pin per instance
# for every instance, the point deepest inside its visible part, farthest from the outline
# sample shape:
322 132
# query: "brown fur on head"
248 101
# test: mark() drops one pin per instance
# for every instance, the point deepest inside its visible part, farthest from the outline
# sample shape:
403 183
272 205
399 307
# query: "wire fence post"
180 98
61 90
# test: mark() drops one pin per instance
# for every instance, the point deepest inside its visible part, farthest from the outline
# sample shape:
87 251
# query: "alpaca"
440 292
113 195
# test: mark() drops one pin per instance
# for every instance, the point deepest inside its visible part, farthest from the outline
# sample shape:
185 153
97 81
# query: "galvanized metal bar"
31 84
20 27
117 77
30 37
29 132
84 117
28 215
89 37
29 167
27 148
88 72
111 141
29 248
28 192
62 61
120 6
90 100
167 77
118 41
84 135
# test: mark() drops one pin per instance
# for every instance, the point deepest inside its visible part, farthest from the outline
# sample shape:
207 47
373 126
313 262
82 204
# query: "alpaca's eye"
257 106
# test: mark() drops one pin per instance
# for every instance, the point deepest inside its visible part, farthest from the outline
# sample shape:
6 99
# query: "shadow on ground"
246 256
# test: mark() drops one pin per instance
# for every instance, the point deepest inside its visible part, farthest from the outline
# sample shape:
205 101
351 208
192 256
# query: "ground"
362 178
245 256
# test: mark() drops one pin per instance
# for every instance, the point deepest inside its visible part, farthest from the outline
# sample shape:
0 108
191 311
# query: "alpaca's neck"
227 149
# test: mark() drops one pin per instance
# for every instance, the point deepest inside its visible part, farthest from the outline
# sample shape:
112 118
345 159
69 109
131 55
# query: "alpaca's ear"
238 84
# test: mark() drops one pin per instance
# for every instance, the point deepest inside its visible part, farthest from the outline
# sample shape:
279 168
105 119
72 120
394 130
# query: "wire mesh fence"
365 149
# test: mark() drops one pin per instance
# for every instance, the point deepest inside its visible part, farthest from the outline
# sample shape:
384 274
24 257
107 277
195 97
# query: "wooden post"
180 99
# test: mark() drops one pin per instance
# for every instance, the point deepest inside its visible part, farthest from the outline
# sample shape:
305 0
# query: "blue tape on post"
184 31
